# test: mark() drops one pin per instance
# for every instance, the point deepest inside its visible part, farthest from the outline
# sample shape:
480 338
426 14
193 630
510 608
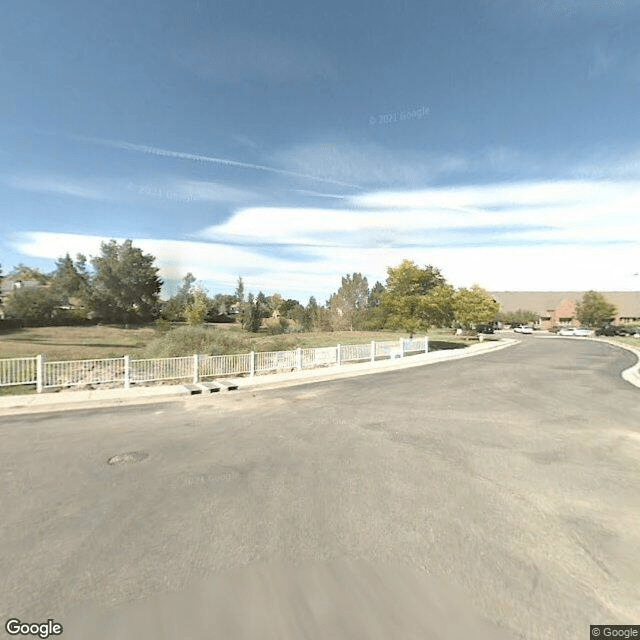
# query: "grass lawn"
75 343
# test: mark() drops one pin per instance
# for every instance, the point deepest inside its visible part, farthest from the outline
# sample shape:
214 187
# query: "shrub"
187 340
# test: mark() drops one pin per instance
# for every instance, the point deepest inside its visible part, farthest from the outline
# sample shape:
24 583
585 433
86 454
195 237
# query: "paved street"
383 506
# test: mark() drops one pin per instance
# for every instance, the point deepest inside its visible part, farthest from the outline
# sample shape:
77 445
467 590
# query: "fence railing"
125 371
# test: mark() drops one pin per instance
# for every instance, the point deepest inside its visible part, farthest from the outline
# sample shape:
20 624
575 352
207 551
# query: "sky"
294 143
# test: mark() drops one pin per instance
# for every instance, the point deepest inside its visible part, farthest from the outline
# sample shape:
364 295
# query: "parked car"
583 331
523 329
484 328
566 331
612 330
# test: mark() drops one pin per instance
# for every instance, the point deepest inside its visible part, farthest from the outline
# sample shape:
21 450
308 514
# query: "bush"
184 341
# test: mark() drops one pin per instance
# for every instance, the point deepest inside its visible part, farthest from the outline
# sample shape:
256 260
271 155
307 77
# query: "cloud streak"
194 157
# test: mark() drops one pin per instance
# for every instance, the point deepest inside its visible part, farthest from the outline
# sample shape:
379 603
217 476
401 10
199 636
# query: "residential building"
558 308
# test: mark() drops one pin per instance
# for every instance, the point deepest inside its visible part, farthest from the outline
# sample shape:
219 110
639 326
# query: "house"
558 308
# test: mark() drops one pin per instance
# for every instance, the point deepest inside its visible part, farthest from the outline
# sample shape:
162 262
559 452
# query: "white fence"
125 371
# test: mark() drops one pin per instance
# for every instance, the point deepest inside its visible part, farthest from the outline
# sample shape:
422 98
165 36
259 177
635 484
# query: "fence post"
402 347
373 351
39 373
252 363
426 344
338 355
299 359
195 368
127 372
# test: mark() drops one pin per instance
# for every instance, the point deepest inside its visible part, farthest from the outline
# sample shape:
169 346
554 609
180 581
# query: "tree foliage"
474 306
347 305
125 284
517 317
594 310
71 280
174 308
23 272
416 298
34 306
196 308
252 319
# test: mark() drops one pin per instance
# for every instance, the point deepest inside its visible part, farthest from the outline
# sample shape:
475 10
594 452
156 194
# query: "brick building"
558 308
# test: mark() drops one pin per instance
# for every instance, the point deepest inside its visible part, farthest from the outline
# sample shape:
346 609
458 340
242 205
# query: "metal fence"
15 371
125 371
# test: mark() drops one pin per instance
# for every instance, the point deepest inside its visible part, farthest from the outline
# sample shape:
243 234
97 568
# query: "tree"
416 298
291 309
262 305
219 307
474 306
174 308
517 317
23 272
71 280
196 308
375 316
274 301
347 305
252 319
239 293
125 284
35 306
594 310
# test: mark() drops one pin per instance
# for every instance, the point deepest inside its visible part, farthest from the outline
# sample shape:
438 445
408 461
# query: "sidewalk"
73 400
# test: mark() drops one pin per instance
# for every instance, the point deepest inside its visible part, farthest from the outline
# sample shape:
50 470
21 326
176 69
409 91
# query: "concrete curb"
99 398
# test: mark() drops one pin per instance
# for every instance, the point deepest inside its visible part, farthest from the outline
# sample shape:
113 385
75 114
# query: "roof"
627 302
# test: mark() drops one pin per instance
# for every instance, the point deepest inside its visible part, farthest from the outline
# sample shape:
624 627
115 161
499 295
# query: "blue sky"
292 143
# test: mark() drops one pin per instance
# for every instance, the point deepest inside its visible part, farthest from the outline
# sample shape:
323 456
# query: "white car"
583 331
523 330
567 331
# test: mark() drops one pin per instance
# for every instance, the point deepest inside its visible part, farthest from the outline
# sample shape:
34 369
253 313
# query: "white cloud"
569 235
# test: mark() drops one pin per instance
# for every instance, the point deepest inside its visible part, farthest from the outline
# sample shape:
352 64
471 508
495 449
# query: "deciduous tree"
474 306
594 310
416 298
347 305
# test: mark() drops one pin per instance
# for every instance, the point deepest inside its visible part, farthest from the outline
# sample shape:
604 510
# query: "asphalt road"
499 493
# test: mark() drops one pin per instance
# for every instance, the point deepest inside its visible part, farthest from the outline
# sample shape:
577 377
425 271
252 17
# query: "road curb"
632 374
100 398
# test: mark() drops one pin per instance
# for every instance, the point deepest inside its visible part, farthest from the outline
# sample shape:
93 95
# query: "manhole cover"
128 458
